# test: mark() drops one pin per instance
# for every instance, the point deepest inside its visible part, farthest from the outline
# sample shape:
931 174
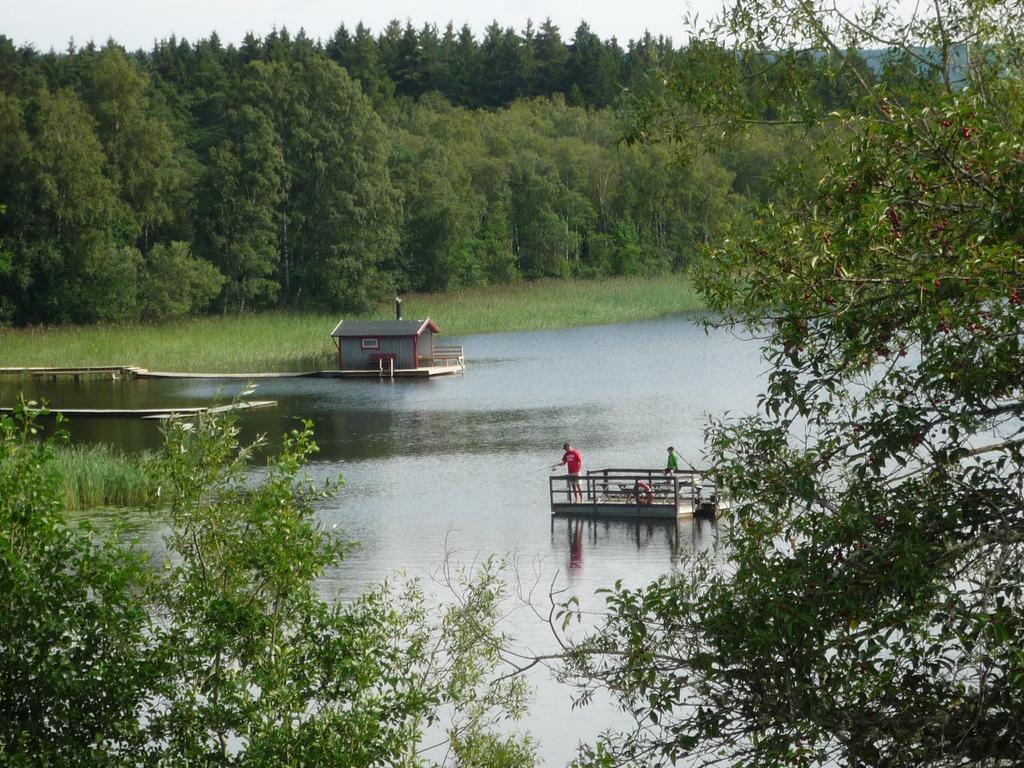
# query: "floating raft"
635 493
154 413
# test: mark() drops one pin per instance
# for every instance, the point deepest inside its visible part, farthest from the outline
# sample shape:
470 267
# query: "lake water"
458 464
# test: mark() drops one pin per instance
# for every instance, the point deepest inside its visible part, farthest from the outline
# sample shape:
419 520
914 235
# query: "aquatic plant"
101 475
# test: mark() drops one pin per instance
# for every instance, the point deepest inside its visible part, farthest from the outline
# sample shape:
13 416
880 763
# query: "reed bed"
95 476
278 341
556 304
259 342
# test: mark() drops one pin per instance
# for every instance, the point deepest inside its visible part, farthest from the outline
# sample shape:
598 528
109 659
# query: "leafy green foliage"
339 200
260 667
144 161
176 283
74 662
227 653
329 176
867 609
242 190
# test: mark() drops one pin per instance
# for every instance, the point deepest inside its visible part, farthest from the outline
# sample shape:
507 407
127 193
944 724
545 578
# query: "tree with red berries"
868 608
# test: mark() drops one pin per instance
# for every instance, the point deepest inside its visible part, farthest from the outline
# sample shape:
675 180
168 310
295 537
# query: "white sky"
47 24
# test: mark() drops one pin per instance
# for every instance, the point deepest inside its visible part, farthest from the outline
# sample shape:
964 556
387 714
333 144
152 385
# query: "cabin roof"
384 327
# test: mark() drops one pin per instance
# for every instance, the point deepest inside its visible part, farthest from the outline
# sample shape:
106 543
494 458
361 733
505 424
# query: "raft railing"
444 355
614 486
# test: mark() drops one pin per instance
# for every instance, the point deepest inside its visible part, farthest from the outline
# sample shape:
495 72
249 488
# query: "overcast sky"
135 24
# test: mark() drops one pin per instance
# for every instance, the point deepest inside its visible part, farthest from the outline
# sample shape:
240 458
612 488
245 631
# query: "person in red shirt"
573 461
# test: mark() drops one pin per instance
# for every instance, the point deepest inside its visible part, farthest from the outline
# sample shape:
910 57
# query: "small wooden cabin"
364 344
394 348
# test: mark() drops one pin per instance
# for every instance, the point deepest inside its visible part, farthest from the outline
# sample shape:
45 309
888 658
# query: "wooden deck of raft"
636 493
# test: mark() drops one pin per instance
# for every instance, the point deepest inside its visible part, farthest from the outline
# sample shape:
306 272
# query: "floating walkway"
134 372
84 372
370 374
183 412
143 373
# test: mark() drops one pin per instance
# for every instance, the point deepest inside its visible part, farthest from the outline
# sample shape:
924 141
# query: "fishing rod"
546 467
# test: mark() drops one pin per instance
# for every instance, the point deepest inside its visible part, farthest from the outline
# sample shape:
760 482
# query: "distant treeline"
290 172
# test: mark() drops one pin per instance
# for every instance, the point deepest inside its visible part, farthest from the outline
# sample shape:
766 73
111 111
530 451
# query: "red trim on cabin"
428 323
416 351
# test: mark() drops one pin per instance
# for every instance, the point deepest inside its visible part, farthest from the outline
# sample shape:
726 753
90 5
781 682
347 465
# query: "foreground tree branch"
870 612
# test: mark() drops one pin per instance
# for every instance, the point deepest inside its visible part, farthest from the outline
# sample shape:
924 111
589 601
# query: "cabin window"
369 344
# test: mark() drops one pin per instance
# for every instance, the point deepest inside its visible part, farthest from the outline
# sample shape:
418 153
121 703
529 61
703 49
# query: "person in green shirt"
673 461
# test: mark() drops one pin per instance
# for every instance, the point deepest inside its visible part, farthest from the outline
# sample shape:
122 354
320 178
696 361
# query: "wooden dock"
143 373
397 373
77 373
446 367
635 493
422 372
173 412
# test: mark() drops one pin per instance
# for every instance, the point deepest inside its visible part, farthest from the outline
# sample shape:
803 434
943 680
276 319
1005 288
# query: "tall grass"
102 476
300 341
262 342
556 304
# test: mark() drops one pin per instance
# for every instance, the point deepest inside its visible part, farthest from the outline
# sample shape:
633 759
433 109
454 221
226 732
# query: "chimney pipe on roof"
398 308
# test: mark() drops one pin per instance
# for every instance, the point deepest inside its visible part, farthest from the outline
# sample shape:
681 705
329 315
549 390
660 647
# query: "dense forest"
288 172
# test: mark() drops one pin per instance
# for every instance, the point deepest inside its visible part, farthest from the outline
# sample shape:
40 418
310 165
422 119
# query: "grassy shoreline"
300 341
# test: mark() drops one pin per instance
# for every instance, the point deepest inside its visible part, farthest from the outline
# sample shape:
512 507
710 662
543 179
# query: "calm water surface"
457 464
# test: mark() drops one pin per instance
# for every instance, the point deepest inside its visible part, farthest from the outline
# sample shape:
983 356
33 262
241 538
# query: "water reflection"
593 533
669 538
